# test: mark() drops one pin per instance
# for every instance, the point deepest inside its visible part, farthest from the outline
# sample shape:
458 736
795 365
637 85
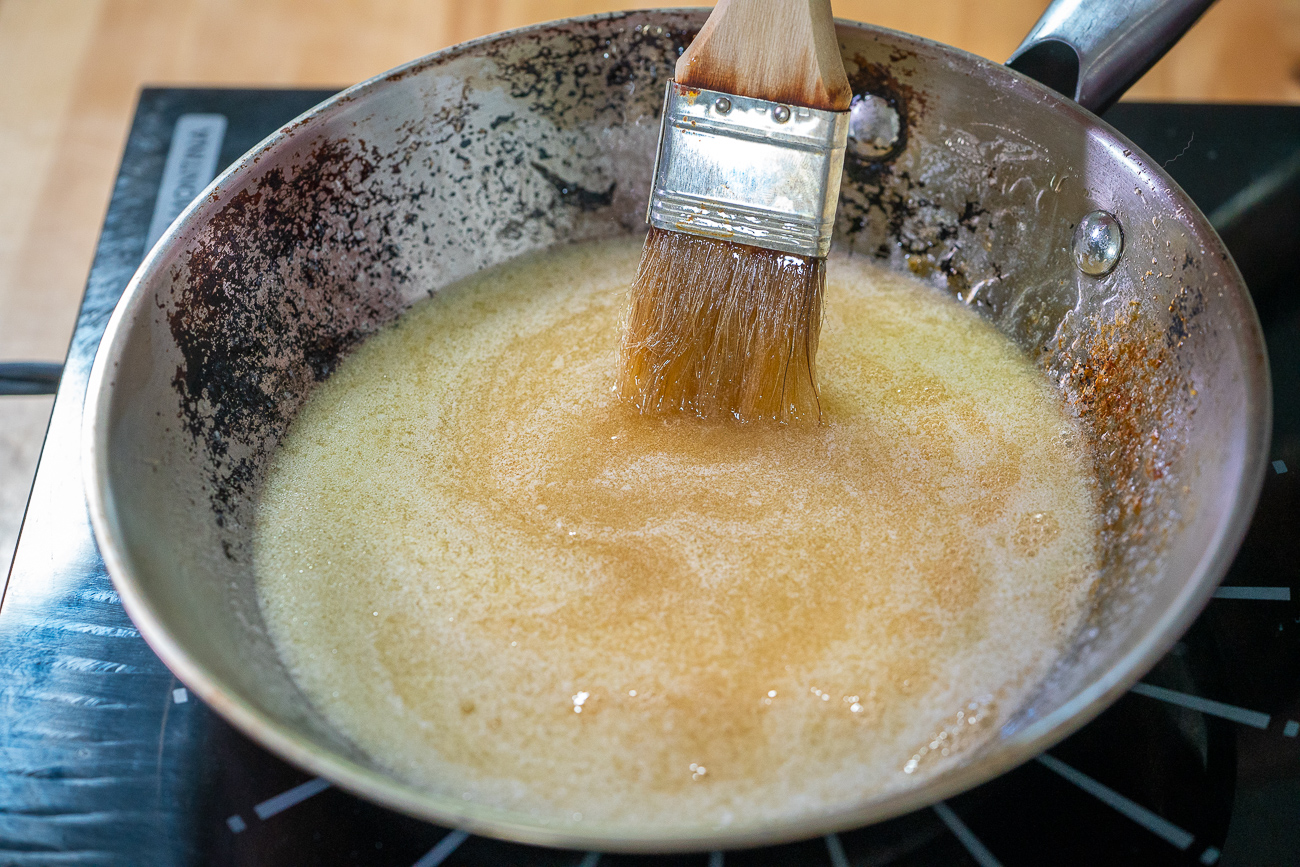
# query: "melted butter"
505 586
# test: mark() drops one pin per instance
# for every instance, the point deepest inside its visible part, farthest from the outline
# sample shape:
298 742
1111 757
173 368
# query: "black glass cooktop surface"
106 759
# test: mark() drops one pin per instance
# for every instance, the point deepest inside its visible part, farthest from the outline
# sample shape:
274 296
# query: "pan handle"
29 377
1093 50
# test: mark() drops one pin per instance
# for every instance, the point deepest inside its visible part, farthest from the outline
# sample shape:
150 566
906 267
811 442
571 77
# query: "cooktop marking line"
1272 594
1255 193
443 850
1210 856
236 824
836 850
1279 467
977 850
715 859
294 796
1204 705
1157 825
591 859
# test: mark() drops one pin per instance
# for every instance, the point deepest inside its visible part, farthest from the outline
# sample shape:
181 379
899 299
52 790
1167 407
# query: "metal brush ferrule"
748 170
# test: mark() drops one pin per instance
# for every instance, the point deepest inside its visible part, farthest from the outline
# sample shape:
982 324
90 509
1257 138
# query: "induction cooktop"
107 759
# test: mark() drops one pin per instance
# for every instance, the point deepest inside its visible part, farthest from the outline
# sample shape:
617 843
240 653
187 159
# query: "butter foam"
506 587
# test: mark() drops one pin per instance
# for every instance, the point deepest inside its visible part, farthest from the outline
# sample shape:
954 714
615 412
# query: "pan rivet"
723 105
781 113
1098 243
874 127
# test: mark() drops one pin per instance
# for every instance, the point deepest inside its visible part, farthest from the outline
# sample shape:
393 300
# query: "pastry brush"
725 311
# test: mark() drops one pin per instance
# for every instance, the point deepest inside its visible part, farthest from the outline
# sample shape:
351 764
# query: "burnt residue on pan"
1129 375
877 193
1129 388
585 73
250 346
333 232
574 193
940 226
884 81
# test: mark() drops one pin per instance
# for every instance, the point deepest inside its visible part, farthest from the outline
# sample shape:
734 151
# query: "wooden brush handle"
782 50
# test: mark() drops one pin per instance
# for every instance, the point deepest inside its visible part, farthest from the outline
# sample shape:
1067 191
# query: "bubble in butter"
504 586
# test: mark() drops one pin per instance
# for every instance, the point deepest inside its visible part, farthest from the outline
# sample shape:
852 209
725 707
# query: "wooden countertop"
73 68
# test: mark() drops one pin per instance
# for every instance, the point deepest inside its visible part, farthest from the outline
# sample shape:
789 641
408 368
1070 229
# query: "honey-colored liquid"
509 587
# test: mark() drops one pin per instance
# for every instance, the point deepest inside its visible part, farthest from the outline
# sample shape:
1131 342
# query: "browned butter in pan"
506 587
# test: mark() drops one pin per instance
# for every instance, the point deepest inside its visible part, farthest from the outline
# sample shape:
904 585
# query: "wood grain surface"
72 69
782 50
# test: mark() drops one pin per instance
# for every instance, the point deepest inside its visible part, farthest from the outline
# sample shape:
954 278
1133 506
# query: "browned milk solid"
507 588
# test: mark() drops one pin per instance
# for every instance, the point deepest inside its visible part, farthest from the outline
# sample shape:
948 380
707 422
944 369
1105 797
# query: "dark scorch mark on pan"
574 194
299 265
587 70
1185 307
881 194
892 203
250 346
880 80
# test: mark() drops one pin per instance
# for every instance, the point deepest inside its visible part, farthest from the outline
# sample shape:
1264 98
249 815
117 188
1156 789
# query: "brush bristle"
715 328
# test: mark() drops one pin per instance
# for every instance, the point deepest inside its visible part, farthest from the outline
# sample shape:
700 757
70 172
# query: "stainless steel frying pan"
961 171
